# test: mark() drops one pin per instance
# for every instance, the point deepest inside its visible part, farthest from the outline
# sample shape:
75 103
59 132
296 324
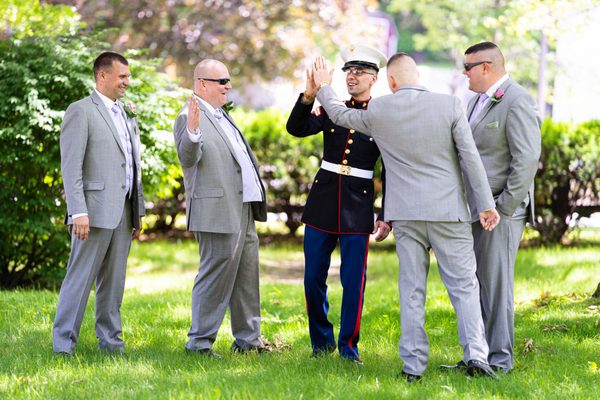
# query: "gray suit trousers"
452 244
228 277
496 253
101 258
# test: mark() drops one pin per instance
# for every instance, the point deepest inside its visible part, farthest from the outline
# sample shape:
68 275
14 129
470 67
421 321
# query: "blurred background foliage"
47 49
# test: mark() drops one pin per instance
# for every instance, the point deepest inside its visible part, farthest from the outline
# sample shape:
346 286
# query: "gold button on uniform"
344 162
370 139
350 141
347 151
364 191
352 131
332 130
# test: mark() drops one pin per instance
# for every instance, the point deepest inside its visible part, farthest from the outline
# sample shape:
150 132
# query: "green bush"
287 163
568 181
41 76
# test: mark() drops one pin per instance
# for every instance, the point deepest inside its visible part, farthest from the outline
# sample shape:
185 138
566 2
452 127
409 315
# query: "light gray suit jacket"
507 135
421 136
212 177
93 164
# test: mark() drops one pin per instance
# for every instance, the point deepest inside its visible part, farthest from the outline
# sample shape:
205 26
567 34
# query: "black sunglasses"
222 81
469 66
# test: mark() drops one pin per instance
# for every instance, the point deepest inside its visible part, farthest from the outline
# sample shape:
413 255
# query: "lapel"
107 118
490 104
211 118
131 126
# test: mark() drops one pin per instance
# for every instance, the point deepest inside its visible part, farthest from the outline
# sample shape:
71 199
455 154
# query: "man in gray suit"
224 195
101 170
506 128
422 136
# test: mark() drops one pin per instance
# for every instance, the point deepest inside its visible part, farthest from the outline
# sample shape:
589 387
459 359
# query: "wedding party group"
456 182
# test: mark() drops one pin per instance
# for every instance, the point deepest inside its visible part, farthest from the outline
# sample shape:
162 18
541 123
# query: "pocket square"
492 124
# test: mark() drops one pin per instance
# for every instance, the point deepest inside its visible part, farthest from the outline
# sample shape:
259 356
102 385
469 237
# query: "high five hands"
489 219
322 72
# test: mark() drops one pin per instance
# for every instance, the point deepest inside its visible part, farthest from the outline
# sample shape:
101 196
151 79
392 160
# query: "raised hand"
311 89
193 121
322 73
489 219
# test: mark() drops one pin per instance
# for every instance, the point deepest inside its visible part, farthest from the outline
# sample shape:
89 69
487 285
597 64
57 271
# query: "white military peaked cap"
363 56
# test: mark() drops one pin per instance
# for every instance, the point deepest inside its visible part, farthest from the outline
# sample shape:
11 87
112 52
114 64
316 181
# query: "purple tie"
477 109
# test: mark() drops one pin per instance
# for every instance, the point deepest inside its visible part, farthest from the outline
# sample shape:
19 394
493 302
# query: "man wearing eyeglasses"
224 196
340 205
506 127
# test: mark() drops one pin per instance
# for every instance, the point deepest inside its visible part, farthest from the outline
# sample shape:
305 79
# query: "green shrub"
41 76
568 181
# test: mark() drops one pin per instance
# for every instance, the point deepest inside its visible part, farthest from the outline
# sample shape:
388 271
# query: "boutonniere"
497 96
130 110
228 107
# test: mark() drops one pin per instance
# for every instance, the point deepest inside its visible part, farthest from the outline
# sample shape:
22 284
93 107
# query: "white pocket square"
492 124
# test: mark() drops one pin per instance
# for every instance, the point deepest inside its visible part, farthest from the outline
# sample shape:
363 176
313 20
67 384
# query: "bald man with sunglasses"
224 196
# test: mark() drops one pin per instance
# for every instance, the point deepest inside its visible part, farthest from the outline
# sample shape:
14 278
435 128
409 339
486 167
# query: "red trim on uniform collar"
353 103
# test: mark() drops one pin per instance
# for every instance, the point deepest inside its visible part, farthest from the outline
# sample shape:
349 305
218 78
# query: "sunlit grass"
557 336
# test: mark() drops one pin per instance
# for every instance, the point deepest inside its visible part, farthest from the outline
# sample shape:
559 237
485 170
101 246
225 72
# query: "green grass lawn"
557 336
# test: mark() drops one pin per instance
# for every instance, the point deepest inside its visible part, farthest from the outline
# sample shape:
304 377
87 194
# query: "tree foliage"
568 182
255 38
41 75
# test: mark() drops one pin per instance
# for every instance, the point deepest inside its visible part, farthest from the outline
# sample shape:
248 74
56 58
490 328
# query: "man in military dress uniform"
340 205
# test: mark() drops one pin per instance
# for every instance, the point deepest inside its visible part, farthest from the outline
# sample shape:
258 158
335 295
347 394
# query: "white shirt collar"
107 102
490 92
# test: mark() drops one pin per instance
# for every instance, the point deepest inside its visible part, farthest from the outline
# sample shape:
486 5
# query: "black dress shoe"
319 352
458 366
410 378
210 353
236 348
475 367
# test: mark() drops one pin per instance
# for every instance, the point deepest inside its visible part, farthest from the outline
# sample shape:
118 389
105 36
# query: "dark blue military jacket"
338 203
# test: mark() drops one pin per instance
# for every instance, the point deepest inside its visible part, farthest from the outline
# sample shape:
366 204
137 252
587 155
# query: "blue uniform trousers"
318 246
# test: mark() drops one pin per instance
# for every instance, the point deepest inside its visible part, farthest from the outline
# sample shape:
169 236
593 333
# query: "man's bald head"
212 82
206 67
401 70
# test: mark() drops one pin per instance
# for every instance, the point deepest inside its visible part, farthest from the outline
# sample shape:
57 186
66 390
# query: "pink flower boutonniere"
498 95
130 110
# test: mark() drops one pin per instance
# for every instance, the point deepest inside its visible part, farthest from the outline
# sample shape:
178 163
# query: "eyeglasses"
357 72
469 66
222 81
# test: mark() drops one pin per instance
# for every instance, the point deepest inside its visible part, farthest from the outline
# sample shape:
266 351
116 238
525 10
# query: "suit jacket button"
122 186
241 192
123 165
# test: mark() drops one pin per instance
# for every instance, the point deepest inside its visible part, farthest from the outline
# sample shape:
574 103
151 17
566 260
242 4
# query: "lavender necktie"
478 107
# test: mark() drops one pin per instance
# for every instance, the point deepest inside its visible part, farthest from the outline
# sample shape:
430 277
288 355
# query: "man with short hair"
505 123
422 136
224 196
340 205
101 170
